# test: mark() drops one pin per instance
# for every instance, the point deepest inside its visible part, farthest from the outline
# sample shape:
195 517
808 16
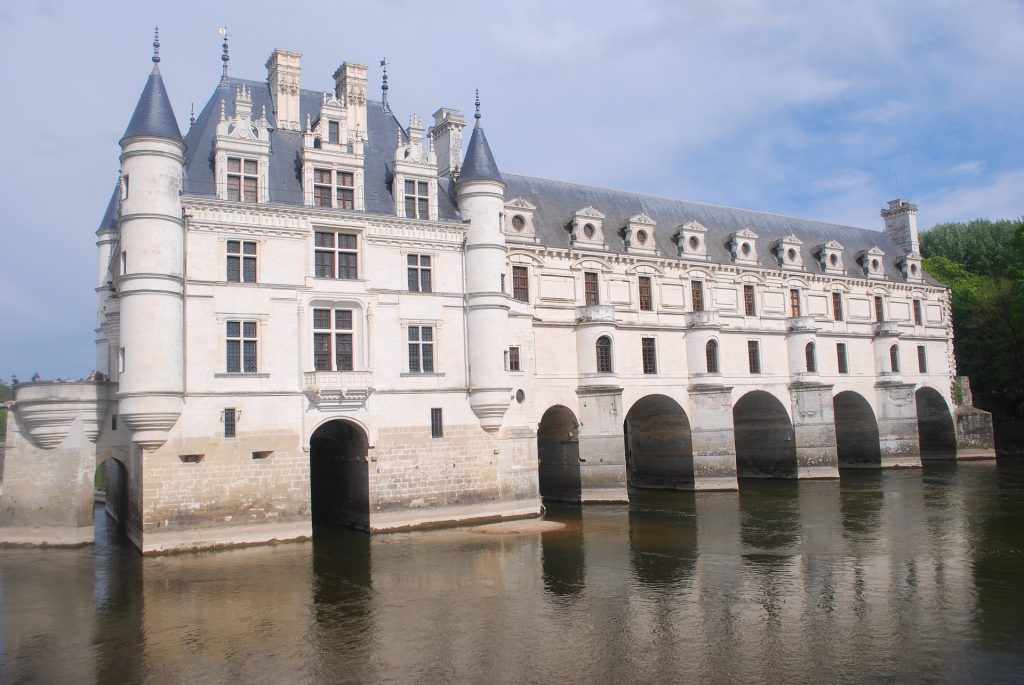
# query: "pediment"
590 213
642 218
520 203
693 227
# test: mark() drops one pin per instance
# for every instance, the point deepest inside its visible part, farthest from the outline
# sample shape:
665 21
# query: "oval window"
641 237
694 242
833 259
518 222
745 248
791 254
588 230
874 265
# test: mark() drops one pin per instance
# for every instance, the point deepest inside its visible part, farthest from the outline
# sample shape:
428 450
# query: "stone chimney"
283 70
901 224
446 139
350 88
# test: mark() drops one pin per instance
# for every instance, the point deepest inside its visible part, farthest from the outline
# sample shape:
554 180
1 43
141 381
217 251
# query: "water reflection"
902 576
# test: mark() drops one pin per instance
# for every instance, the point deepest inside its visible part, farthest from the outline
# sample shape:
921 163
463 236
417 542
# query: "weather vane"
223 31
384 85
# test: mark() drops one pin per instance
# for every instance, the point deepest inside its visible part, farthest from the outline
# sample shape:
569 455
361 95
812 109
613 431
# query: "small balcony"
595 313
886 329
705 319
338 389
801 324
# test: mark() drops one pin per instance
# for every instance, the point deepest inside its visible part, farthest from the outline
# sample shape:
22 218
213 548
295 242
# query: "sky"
823 110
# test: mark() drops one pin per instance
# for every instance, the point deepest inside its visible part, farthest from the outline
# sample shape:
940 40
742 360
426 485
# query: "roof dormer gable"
910 267
638 235
788 253
871 262
743 247
417 150
691 241
830 257
518 220
586 228
241 126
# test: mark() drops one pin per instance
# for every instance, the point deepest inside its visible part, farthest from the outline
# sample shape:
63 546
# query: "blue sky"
823 110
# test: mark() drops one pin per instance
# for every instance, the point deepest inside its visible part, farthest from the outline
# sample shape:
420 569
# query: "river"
880 577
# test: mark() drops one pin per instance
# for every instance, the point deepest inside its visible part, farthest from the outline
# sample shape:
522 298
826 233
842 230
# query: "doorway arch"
558 455
935 429
659 446
765 440
339 479
112 480
857 440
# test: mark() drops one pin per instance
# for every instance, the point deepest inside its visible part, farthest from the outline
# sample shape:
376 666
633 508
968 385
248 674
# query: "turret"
106 241
480 193
149 287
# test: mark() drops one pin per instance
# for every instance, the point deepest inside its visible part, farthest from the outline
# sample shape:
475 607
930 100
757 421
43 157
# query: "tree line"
982 262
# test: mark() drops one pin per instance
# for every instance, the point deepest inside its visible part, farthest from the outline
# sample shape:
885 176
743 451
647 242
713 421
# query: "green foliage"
982 262
6 394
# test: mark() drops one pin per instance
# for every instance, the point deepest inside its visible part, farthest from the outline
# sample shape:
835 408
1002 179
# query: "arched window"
812 362
711 355
894 358
604 354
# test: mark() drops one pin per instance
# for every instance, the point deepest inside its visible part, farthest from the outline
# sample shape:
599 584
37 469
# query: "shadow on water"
860 504
563 562
342 574
769 519
662 537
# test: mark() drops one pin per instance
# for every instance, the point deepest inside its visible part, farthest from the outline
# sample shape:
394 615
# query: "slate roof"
479 164
556 201
153 114
109 222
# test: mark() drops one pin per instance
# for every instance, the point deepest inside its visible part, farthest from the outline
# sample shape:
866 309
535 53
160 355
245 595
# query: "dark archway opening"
659 447
765 441
935 429
111 485
857 443
339 475
558 455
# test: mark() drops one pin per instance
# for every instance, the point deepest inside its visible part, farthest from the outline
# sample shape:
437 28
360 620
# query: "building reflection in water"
663 538
563 562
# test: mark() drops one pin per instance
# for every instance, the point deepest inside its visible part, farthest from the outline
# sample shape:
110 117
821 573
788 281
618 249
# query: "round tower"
149 285
480 193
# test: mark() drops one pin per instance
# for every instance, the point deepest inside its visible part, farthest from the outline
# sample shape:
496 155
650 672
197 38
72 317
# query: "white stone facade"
354 348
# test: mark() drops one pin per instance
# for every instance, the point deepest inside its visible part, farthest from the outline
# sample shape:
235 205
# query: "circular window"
833 259
641 237
791 254
694 242
745 248
913 268
520 396
588 230
874 265
518 222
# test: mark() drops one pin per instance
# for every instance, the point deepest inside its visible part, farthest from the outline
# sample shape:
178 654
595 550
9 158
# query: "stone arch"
339 478
659 446
934 425
112 480
857 439
765 440
558 455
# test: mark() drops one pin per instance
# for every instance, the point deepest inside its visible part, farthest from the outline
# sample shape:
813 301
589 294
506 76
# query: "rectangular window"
513 359
649 355
124 262
333 188
918 318
332 340
421 349
417 196
242 178
113 422
520 284
345 189
323 187
794 302
241 346
644 287
418 270
120 360
697 295
837 306
754 356
230 421
241 261
879 309
333 132
336 255
436 423
748 301
841 358
590 294
922 362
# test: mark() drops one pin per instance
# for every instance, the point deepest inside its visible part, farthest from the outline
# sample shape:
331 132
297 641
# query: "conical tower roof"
153 115
479 164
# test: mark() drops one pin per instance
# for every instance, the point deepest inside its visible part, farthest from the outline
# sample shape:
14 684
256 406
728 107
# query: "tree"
982 262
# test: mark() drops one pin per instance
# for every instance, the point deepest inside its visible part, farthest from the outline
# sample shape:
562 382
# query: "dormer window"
417 200
691 241
333 189
871 262
830 257
518 219
787 252
243 179
333 132
742 246
639 233
910 267
586 228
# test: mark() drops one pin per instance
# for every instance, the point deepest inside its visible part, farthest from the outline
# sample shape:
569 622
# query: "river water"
895 577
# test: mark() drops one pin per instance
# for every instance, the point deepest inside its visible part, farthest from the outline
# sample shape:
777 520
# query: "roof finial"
192 116
225 57
477 115
384 85
156 45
